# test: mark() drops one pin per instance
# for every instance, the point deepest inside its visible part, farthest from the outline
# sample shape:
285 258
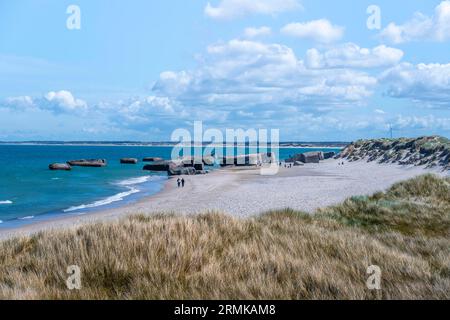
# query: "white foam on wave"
27 218
128 183
6 202
109 200
138 180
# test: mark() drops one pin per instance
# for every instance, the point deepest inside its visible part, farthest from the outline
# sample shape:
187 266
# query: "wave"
6 202
26 218
109 200
128 183
138 180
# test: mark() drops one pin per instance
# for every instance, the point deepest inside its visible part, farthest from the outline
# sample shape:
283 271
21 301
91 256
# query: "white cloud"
429 122
57 102
379 111
351 55
257 32
243 74
229 9
318 30
317 124
65 101
143 113
175 82
23 102
427 83
421 27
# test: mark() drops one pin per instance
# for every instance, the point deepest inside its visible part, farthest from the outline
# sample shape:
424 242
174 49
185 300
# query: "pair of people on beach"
180 182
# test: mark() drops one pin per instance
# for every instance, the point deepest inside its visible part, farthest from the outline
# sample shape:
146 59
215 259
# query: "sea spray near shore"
109 200
27 218
139 180
6 202
128 184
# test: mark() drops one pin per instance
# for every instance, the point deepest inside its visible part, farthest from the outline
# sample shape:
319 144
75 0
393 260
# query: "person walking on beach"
179 182
182 182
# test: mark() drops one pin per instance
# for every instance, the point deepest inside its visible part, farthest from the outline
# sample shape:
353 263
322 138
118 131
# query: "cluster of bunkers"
193 165
310 157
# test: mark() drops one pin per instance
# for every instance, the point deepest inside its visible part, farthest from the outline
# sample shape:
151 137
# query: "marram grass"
279 255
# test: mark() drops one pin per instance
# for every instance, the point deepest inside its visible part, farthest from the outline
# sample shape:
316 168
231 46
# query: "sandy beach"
243 192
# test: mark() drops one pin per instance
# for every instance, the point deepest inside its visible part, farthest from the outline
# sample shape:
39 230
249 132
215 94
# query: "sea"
30 192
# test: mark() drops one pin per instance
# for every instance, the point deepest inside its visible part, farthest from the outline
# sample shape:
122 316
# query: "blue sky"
137 70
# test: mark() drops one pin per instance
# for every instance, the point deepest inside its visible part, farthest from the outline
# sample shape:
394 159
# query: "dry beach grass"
278 255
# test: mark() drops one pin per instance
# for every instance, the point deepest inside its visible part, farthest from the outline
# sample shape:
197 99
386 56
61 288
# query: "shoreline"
100 191
243 193
131 190
75 220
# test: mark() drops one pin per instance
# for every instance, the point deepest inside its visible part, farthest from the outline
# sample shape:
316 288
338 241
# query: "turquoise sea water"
29 192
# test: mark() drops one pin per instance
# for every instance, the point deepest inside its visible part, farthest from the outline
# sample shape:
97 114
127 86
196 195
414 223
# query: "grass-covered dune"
430 152
279 255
